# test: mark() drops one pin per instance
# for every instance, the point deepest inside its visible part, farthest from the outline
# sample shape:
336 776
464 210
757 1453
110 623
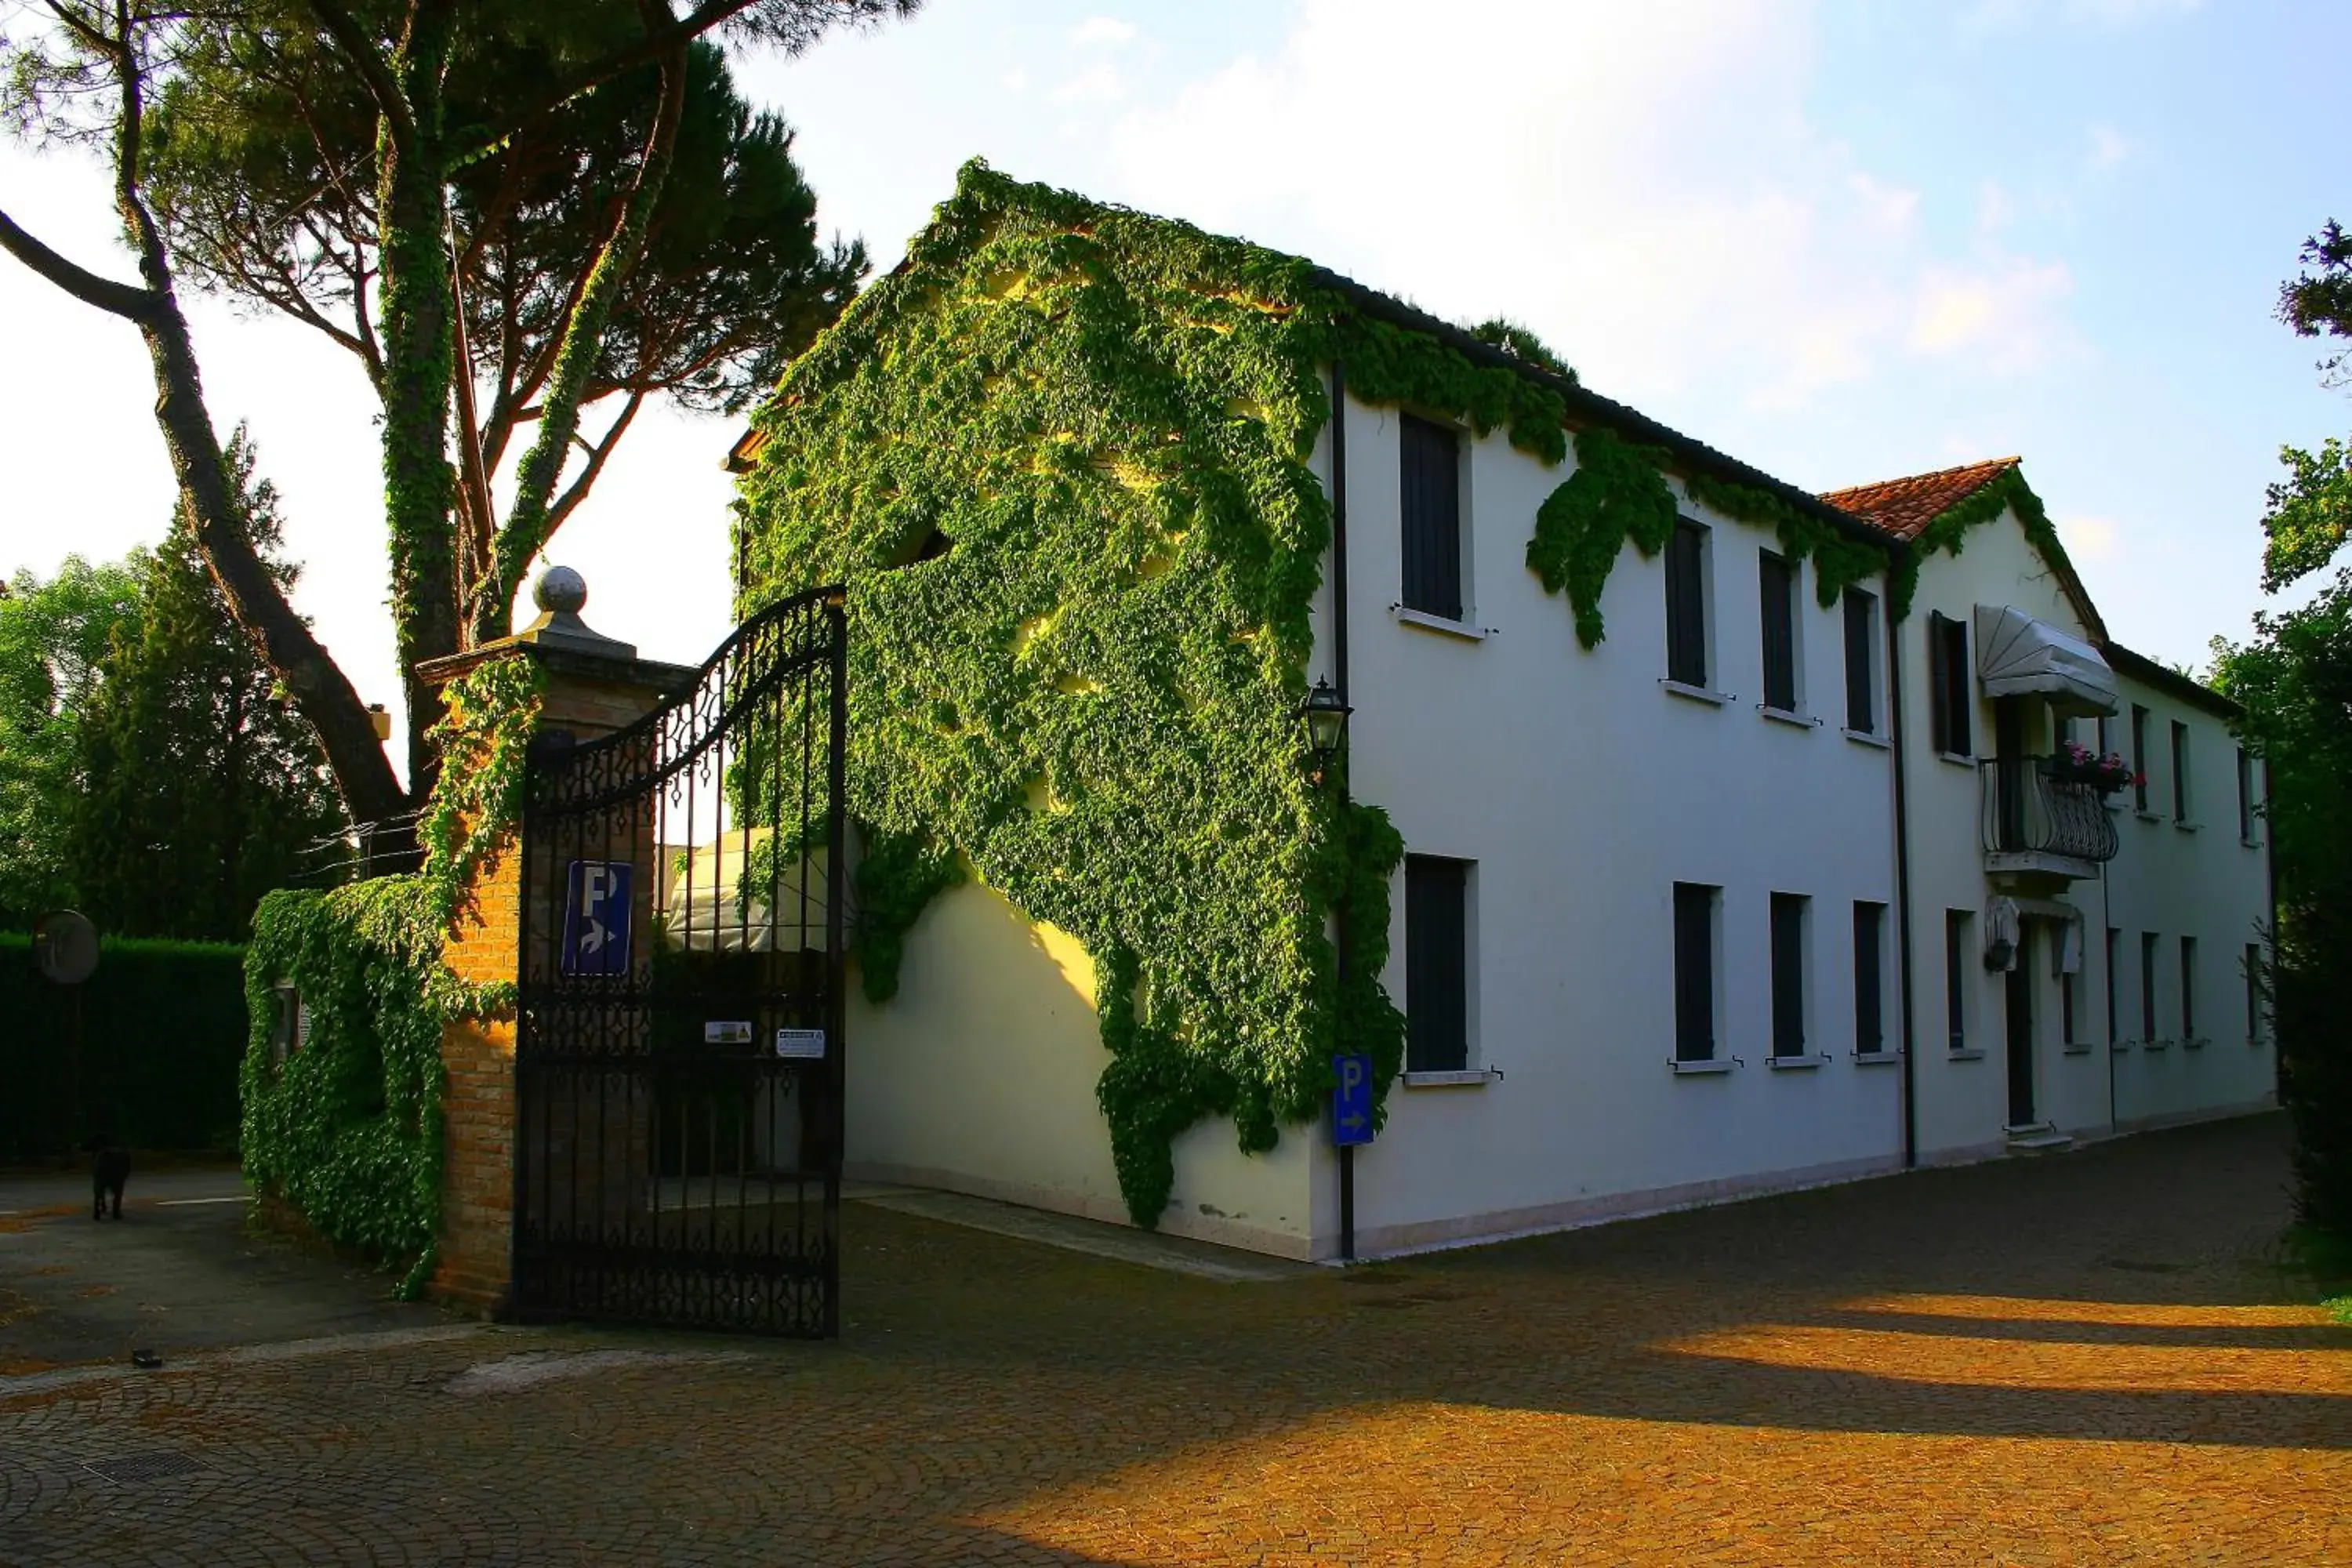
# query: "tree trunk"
418 353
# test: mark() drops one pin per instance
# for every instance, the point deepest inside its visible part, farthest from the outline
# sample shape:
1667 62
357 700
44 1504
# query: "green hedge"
162 1032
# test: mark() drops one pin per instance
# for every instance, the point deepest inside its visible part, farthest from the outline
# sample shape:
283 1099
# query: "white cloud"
2108 148
1102 33
2086 537
1995 209
1097 83
1653 202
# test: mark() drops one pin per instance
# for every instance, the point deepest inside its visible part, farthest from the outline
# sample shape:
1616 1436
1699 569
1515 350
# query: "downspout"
2107 968
1902 878
1340 680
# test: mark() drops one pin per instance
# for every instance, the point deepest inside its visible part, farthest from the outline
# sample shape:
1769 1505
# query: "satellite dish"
65 945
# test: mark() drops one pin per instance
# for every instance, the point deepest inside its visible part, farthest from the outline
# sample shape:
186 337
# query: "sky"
1841 239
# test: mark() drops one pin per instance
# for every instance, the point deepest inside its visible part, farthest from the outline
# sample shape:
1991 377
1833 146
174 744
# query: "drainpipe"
1902 881
1340 680
2108 963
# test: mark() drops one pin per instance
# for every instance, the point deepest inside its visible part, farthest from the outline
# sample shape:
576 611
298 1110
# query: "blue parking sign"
1352 1100
596 918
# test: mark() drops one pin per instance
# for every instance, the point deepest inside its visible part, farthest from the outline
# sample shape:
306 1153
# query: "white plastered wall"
1583 790
979 1076
2207 880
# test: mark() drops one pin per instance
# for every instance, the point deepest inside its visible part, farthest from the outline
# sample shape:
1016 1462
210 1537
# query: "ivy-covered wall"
348 1127
1060 459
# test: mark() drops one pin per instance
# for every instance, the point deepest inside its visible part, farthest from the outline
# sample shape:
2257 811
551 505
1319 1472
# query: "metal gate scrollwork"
678 1044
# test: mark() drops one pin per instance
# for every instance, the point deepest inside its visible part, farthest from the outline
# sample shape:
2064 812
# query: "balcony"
2035 822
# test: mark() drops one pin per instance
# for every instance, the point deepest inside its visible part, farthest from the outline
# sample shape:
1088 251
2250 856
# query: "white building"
1754 893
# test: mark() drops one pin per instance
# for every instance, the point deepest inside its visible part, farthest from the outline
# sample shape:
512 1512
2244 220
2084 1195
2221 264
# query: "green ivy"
1948 531
1616 494
1059 461
348 1129
1839 560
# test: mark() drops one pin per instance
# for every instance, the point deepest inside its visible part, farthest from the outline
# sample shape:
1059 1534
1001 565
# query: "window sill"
1712 1065
1451 628
1957 760
1791 717
1454 1077
1876 1058
2076 1048
2154 1044
2250 843
1966 1053
1696 693
1870 738
2188 826
2144 815
2119 1045
2198 1044
1789 1064
2256 1042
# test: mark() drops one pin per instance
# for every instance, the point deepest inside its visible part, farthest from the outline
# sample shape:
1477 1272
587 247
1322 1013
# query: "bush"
162 1033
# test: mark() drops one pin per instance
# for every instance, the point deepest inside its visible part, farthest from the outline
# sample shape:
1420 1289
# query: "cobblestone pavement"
2088 1358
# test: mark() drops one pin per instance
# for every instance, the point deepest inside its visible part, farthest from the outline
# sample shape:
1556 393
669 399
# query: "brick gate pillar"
591 686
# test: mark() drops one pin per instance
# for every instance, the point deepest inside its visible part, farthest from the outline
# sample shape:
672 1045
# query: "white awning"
2018 655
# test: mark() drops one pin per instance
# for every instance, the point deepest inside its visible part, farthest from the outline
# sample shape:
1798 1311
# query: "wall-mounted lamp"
1325 713
379 722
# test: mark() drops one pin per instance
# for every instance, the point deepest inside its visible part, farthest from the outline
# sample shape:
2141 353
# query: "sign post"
596 906
1351 1124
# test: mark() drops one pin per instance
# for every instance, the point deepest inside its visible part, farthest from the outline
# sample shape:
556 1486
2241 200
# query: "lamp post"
1325 713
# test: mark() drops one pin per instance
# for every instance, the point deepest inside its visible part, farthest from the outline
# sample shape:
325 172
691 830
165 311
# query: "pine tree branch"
374 71
116 298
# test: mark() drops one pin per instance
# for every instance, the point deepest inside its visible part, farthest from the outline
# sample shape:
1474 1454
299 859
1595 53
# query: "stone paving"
2083 1358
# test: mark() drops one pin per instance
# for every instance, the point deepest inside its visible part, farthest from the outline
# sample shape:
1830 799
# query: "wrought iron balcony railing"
2029 810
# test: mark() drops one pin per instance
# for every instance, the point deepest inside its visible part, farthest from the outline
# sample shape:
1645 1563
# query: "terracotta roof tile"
1903 507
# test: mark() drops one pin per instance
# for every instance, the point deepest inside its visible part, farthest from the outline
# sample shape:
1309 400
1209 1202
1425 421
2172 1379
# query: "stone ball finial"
560 591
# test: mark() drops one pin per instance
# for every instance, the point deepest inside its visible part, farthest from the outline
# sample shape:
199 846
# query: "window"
1789 910
2106 735
1436 963
2115 952
2139 757
1694 922
2179 771
1869 978
2245 796
2189 989
1775 582
1432 507
2146 986
1687 604
1956 988
1860 670
289 1023
2066 1019
1947 686
2253 962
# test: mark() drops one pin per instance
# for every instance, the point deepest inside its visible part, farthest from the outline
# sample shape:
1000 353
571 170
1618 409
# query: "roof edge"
2163 676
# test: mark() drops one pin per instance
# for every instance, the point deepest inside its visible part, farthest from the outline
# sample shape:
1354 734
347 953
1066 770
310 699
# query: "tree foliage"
2293 678
509 210
199 790
53 637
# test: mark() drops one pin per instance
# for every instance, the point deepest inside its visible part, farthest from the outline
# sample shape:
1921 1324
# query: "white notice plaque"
800 1043
728 1032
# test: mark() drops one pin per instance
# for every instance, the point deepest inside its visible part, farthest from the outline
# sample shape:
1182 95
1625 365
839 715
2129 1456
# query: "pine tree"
200 789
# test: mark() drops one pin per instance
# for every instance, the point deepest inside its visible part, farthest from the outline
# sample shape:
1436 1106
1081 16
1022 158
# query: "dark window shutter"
2180 771
1437 1033
1432 507
1939 685
1687 605
1957 737
2139 757
2187 989
1861 701
1788 975
1869 973
1776 586
2147 985
2245 796
1693 971
1956 943
2115 956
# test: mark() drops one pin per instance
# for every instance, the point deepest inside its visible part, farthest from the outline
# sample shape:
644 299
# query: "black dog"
109 1168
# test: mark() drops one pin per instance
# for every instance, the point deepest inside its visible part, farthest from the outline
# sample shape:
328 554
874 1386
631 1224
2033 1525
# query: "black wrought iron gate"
678 1046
